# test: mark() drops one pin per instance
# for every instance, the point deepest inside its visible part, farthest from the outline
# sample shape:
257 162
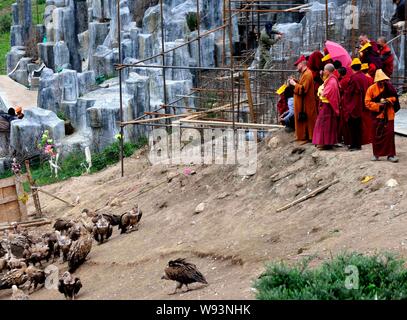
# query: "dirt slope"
239 229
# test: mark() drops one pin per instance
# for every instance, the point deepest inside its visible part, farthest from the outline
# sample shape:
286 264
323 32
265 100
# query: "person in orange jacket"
381 98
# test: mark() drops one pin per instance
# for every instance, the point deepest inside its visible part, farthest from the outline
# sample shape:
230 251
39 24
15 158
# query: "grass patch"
381 277
71 166
4 48
5 23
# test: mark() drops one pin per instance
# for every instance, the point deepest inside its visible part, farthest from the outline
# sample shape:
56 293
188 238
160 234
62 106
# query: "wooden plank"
7 182
249 96
9 212
237 124
8 199
28 224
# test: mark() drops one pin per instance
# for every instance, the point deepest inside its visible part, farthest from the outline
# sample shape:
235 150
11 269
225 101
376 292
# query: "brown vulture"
69 286
102 230
130 219
62 225
63 246
35 277
14 277
183 273
78 252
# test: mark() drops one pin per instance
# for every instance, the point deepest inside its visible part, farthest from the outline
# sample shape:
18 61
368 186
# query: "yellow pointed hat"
281 89
380 76
356 61
326 58
367 45
365 66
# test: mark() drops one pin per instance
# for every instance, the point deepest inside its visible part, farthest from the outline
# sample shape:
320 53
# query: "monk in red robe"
316 65
381 99
305 110
369 53
354 103
326 126
343 130
386 55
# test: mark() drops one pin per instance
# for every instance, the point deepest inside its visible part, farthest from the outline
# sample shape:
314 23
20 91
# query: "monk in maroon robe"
326 126
343 130
354 104
316 65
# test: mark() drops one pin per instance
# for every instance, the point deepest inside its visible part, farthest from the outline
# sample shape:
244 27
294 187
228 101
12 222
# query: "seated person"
287 118
19 113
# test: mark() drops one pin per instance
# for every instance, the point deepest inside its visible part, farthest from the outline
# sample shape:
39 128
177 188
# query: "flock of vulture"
23 255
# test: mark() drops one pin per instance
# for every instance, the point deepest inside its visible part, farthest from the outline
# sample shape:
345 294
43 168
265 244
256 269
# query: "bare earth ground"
16 94
239 229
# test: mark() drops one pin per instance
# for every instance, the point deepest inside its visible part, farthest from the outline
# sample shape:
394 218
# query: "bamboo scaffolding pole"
54 196
180 115
308 196
237 124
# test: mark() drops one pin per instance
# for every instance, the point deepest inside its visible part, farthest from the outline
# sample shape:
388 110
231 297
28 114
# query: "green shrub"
61 115
192 21
379 277
40 1
5 23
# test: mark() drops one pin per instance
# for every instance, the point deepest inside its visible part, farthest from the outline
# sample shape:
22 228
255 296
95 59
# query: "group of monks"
353 106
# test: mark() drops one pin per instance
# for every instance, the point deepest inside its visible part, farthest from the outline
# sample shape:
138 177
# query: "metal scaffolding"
231 95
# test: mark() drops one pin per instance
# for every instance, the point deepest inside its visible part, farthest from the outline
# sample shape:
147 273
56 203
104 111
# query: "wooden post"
34 191
249 96
20 191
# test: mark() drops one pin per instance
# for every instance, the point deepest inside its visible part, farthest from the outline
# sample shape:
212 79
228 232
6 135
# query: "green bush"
40 1
5 23
379 277
192 21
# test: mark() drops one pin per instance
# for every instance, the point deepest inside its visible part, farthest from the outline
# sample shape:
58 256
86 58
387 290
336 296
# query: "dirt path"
15 94
239 229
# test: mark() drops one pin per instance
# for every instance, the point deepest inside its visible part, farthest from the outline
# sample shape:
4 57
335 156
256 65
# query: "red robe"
354 104
326 126
372 56
388 60
343 130
282 105
315 64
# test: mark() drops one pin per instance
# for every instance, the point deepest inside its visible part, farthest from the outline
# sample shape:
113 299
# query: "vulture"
17 242
14 277
63 246
18 294
130 219
62 225
76 231
102 229
69 286
35 276
78 252
113 219
12 261
3 251
36 253
51 240
183 273
3 264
